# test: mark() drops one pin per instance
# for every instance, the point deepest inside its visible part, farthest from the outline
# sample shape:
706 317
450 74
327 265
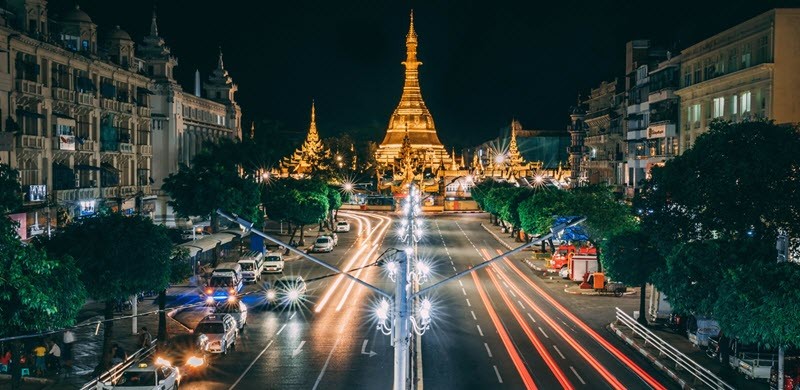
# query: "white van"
273 263
252 265
226 281
221 331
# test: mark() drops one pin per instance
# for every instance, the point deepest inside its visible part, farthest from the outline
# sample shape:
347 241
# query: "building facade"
748 71
604 140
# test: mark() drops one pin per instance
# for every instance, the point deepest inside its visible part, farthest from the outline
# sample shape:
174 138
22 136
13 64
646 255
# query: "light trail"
613 381
543 352
362 246
602 341
507 343
386 221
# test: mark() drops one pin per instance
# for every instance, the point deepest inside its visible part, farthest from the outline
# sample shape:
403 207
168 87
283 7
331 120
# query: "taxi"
144 376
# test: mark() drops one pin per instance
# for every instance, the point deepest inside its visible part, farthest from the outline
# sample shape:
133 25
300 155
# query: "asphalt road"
497 328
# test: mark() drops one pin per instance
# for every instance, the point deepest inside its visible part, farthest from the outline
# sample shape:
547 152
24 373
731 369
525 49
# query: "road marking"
452 263
512 293
479 330
559 351
468 304
460 284
576 374
473 315
280 330
487 349
520 305
499 379
545 334
250 366
298 349
454 269
292 316
463 291
325 366
371 353
531 317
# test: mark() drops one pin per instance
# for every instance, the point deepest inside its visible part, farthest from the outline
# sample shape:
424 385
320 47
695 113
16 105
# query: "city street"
498 328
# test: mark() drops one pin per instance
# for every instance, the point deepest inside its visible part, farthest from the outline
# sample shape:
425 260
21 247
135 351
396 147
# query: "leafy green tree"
311 207
714 213
37 291
298 202
334 203
118 257
605 214
509 211
630 257
10 189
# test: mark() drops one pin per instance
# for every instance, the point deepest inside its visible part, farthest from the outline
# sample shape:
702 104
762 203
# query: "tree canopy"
11 192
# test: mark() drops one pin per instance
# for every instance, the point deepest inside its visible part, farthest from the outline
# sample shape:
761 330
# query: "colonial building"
747 71
183 121
80 115
604 139
411 125
308 157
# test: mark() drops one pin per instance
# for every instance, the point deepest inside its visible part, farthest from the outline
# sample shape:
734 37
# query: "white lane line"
545 334
559 351
531 317
463 291
520 305
504 284
292 316
512 293
499 379
576 374
325 366
468 304
280 330
460 284
250 366
454 269
452 263
473 315
480 331
489 351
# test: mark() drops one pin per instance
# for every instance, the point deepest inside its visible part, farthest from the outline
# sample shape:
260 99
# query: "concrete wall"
786 51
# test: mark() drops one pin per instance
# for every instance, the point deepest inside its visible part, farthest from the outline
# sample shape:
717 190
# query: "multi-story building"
604 142
86 114
747 71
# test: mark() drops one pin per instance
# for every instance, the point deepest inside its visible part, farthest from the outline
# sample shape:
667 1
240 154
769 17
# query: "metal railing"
681 361
113 373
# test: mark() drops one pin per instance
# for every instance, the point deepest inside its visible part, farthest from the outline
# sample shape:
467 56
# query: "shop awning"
209 243
192 248
64 116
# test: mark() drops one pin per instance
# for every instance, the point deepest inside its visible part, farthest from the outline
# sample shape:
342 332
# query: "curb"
653 359
171 314
500 240
29 379
592 293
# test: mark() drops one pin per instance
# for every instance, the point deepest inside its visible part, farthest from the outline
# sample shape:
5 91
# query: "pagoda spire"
153 24
513 148
220 65
252 130
313 127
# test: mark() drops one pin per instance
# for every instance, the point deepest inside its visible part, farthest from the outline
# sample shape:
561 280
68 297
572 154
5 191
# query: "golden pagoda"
309 157
411 118
515 159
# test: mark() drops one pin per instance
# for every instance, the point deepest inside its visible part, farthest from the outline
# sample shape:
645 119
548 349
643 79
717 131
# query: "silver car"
322 244
237 309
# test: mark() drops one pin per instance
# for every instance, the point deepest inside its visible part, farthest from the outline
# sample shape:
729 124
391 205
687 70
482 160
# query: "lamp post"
398 319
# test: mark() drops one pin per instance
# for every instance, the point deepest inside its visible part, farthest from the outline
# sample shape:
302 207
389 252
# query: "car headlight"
163 362
271 295
195 361
293 295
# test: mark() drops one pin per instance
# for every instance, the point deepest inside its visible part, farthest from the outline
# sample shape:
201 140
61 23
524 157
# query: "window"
735 104
719 107
694 113
697 73
744 101
85 45
59 75
763 50
732 60
70 41
745 56
26 67
687 79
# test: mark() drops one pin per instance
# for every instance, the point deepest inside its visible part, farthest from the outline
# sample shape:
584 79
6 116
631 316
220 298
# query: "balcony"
77 194
127 108
63 94
128 190
660 95
636 134
143 111
29 87
109 104
86 99
31 142
145 150
125 148
109 192
146 190
87 146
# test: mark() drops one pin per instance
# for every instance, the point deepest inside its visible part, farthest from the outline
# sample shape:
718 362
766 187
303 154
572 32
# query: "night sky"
484 62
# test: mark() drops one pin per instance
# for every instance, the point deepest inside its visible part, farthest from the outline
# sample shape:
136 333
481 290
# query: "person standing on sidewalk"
54 357
145 338
40 352
66 353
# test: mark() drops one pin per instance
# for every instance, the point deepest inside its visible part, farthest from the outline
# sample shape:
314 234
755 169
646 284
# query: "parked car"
144 376
322 244
221 331
287 291
237 309
193 234
333 236
187 352
273 263
343 226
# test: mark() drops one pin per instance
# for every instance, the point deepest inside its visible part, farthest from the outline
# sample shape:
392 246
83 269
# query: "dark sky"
484 62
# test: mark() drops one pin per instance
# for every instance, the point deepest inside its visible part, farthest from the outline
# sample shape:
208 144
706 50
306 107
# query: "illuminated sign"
37 193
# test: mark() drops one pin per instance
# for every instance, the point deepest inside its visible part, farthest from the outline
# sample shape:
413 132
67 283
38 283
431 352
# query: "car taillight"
209 291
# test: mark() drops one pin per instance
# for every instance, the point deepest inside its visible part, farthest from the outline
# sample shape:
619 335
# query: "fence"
114 372
682 362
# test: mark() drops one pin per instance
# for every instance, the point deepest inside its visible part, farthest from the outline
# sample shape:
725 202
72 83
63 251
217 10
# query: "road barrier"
681 361
113 373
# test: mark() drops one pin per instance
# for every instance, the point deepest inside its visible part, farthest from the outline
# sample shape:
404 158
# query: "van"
221 331
225 281
252 264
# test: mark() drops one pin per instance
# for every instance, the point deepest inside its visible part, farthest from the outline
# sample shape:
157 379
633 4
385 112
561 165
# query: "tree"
214 182
629 256
118 257
299 202
38 292
509 211
179 269
309 208
334 203
714 213
10 190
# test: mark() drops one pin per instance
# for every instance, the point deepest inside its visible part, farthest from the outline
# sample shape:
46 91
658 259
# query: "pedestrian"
5 360
66 352
145 338
39 353
54 357
118 354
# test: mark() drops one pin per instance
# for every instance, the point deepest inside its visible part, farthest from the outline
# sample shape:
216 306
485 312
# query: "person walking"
66 352
118 354
145 338
54 357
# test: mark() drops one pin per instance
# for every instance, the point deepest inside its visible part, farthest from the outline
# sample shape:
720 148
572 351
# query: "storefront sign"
656 131
148 206
37 193
21 220
86 207
66 142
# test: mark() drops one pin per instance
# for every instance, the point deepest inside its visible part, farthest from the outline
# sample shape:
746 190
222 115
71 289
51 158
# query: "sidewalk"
89 339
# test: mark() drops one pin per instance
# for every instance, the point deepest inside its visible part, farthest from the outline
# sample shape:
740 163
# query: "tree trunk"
302 235
320 225
642 312
214 230
108 334
162 316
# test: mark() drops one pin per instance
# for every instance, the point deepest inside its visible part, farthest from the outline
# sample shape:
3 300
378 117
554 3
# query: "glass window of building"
735 104
744 101
719 107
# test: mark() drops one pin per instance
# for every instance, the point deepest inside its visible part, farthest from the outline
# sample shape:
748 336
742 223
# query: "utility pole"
782 245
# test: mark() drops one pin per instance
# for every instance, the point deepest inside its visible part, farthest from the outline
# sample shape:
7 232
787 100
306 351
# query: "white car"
221 330
144 376
237 309
187 234
342 226
273 263
322 244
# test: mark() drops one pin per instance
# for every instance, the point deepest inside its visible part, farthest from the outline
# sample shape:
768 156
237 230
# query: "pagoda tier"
309 157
